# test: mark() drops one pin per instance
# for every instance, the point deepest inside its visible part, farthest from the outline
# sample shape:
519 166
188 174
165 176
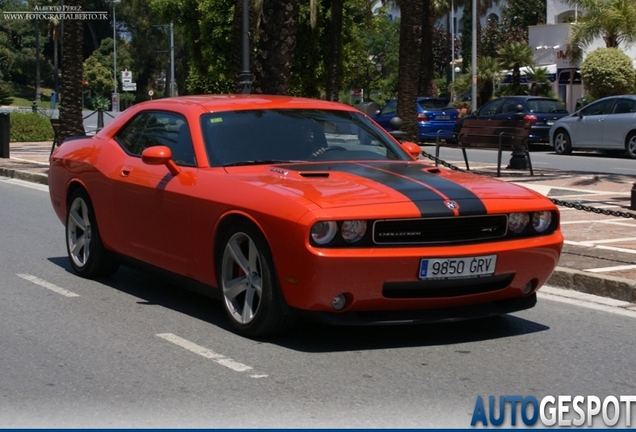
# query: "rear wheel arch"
630 144
562 141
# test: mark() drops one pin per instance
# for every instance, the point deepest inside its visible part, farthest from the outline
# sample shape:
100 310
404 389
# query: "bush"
607 72
26 127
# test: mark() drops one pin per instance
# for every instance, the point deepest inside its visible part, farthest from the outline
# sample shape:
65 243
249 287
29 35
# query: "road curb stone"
25 175
610 286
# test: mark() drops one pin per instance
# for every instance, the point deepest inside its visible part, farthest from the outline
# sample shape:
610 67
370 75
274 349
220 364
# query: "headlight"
352 231
323 232
517 222
541 220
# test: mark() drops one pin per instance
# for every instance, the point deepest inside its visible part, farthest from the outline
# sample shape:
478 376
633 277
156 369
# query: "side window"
390 108
598 108
625 106
154 128
490 108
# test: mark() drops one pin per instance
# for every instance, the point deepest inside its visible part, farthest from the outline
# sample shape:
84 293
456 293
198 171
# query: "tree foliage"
607 72
612 20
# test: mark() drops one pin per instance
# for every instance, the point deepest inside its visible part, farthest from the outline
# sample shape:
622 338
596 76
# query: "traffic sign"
129 86
151 93
126 76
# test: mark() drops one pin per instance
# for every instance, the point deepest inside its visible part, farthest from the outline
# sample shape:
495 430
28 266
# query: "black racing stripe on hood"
426 190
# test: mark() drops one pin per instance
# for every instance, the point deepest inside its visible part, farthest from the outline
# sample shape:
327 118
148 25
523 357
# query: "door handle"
125 171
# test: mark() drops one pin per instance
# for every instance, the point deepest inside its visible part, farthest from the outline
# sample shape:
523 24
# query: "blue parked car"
433 114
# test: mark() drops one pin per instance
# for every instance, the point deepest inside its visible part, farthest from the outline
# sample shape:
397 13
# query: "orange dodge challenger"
288 207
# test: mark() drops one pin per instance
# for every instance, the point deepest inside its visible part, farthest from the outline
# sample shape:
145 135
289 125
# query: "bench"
502 134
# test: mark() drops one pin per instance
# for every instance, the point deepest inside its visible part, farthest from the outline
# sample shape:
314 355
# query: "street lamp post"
473 93
115 96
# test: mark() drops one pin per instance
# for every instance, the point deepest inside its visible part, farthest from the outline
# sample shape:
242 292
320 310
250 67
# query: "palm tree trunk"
426 84
71 122
410 53
335 42
276 45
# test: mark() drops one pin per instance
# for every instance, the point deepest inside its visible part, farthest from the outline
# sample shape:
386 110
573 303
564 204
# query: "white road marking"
600 221
204 352
47 285
590 301
612 248
596 242
31 185
609 269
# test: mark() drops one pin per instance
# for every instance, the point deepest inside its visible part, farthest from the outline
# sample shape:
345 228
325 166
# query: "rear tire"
251 294
562 142
84 245
630 145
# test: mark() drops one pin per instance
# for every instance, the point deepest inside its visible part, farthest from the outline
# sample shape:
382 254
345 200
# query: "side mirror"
160 155
412 149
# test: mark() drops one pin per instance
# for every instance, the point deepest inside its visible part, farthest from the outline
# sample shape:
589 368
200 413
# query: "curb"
614 287
25 175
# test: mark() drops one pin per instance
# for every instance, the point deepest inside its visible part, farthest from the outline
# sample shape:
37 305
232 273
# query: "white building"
549 41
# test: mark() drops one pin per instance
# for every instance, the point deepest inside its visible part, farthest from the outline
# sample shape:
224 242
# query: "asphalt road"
134 350
543 156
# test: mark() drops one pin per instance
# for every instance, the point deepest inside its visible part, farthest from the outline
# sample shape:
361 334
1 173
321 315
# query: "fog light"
528 288
339 302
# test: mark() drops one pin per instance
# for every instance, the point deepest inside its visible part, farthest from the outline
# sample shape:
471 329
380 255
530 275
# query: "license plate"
452 268
442 117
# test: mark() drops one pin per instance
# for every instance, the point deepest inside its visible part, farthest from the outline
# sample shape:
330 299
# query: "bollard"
4 135
396 125
34 107
100 119
633 201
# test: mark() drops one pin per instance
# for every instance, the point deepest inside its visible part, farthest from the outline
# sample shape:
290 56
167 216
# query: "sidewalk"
599 254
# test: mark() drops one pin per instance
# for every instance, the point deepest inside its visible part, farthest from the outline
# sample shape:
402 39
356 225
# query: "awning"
552 73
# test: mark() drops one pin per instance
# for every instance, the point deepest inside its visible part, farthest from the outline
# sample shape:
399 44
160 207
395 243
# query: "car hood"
424 187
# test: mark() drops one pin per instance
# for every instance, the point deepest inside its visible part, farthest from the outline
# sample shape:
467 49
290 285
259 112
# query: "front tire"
84 245
251 294
630 145
562 142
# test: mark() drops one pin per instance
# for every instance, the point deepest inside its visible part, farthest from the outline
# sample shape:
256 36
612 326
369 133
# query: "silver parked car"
605 124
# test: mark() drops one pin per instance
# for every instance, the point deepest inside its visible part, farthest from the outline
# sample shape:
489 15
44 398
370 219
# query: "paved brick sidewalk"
599 255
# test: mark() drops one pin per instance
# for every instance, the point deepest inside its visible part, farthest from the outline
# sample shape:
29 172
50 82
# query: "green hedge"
27 127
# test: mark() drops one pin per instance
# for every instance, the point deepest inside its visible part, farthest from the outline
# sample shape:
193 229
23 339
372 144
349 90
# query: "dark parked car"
546 110
434 115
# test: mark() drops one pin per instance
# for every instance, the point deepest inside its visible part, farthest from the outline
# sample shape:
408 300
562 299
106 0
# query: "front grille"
464 229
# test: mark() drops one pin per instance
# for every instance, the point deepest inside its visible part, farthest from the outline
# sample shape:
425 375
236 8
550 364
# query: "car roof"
245 102
527 97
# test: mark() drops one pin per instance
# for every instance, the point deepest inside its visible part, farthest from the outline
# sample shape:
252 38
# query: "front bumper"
458 313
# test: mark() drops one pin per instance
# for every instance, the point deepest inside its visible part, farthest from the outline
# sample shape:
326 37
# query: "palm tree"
539 80
514 56
487 76
410 55
71 122
613 20
334 54
277 31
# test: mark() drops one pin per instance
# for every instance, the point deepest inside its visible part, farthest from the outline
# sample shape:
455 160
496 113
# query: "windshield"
292 135
545 106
